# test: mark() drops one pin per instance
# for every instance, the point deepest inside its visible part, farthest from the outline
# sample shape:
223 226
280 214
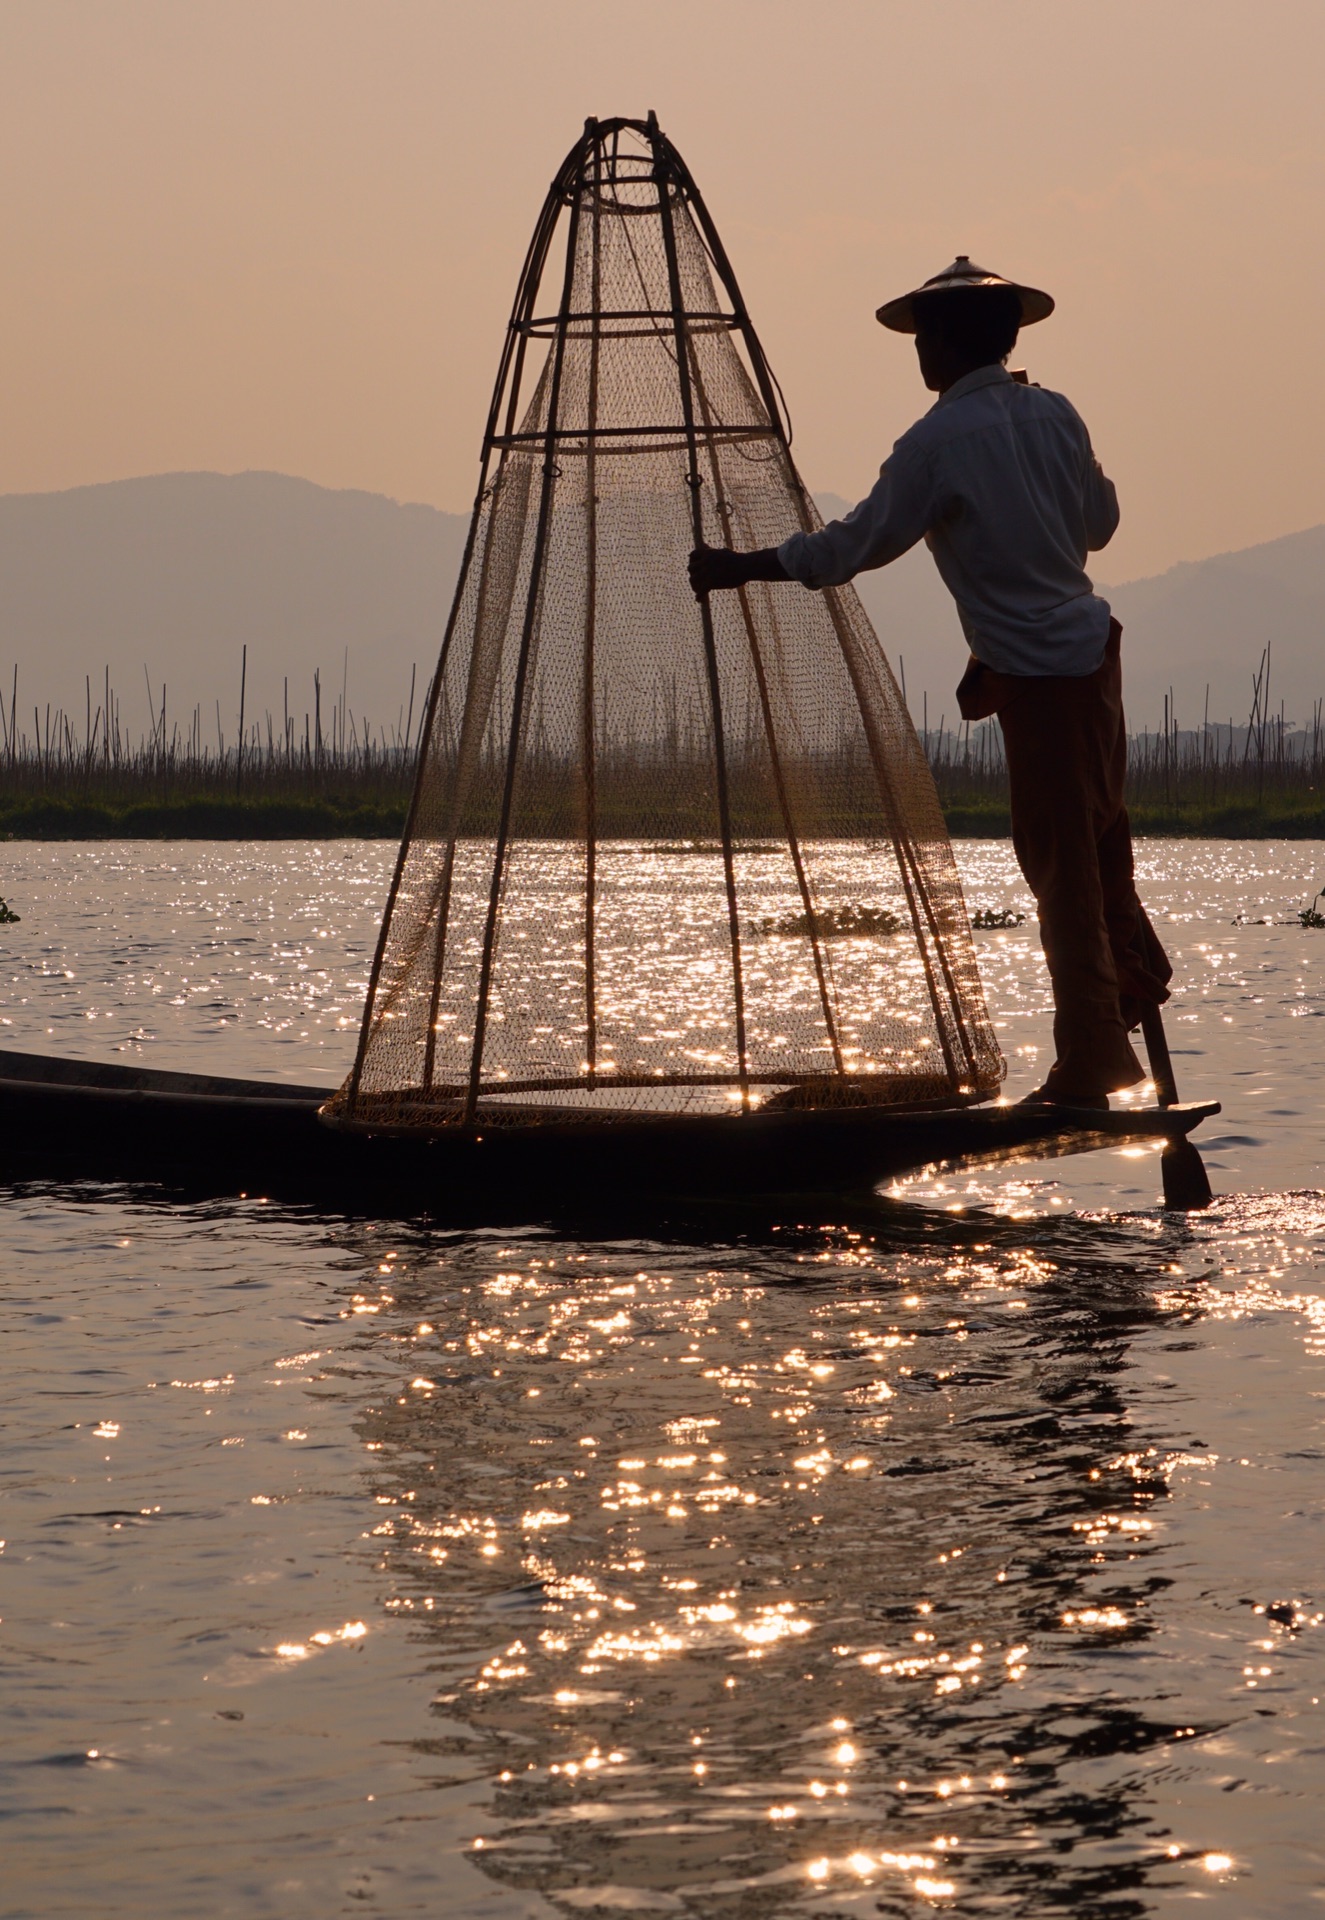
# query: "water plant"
1311 916
831 923
992 919
1308 916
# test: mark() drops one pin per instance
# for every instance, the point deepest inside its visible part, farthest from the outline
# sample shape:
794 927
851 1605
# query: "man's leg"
1058 738
1144 969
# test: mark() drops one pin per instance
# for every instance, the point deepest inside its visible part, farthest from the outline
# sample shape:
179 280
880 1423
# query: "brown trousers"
1065 742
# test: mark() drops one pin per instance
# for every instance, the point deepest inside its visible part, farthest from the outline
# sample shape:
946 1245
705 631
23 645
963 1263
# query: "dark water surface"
964 1559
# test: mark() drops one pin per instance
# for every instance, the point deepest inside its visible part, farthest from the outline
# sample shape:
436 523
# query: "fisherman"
1000 481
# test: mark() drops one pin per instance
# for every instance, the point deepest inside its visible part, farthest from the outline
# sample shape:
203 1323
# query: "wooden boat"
193 1135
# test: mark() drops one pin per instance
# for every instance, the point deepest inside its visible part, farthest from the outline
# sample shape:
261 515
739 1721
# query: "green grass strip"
330 819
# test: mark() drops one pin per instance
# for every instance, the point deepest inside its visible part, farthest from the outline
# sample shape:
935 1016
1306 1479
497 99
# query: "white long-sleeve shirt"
999 479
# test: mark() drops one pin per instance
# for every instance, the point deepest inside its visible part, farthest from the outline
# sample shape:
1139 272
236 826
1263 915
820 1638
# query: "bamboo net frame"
662 856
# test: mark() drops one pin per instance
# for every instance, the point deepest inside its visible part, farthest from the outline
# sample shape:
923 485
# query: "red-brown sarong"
1065 741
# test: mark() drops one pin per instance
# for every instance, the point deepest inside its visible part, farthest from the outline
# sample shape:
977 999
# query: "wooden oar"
1186 1182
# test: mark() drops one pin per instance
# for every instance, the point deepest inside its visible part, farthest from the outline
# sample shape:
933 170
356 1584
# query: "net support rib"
901 851
587 715
912 880
508 381
479 694
533 603
913 884
774 752
694 479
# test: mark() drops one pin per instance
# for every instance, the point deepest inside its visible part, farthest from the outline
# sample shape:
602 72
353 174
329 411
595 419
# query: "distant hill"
176 572
1207 621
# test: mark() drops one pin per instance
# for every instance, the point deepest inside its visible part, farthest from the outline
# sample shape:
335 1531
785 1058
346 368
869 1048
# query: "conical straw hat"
961 276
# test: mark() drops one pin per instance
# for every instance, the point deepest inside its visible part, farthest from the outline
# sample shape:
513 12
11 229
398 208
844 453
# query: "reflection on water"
228 957
966 1562
663 981
252 959
817 1580
968 1565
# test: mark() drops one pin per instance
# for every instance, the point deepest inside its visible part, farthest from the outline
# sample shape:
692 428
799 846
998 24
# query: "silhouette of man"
1000 480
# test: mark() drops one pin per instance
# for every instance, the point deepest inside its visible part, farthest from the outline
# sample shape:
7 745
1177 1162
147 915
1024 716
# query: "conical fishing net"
662 856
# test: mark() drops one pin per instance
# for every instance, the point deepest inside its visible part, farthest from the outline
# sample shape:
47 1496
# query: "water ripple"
963 1558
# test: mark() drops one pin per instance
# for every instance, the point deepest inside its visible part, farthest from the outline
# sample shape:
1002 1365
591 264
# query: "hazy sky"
285 234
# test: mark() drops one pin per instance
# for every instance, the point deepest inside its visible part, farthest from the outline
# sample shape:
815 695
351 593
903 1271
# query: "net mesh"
662 855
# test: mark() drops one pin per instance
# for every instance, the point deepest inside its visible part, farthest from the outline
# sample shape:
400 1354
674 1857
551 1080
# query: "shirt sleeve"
1099 504
889 521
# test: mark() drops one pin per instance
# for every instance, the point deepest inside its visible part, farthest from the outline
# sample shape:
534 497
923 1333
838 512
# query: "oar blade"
1186 1183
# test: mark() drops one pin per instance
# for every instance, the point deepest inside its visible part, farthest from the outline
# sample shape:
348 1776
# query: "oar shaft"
1157 1047
1186 1182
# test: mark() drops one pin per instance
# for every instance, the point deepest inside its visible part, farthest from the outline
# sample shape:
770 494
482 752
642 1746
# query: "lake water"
972 1563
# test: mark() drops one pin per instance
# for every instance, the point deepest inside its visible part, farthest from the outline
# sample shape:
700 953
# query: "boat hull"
197 1135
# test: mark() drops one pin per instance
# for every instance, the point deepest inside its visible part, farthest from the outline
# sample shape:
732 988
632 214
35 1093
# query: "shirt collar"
991 376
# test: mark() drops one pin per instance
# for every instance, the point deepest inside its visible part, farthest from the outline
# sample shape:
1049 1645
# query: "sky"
286 235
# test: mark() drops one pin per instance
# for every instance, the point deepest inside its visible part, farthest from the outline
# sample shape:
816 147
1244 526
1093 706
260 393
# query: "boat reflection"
802 1568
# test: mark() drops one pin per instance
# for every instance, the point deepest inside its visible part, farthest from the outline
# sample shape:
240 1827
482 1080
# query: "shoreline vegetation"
342 779
337 810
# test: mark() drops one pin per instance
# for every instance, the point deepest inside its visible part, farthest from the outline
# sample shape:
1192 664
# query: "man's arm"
896 513
889 521
715 567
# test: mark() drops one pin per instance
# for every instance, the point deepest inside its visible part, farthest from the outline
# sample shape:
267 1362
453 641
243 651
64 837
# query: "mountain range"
161 581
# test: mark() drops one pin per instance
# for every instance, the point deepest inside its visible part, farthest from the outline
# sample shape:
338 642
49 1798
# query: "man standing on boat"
1000 480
